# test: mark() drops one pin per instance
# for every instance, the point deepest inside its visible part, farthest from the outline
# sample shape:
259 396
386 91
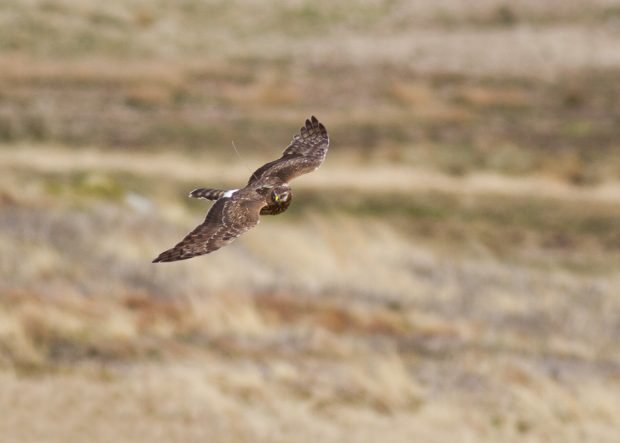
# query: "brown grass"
239 367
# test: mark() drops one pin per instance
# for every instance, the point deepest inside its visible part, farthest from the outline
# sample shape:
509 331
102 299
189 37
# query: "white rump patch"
230 193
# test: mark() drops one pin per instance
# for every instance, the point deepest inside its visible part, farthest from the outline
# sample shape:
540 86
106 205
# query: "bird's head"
281 194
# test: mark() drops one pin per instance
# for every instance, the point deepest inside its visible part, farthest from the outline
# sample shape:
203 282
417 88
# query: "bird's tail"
208 194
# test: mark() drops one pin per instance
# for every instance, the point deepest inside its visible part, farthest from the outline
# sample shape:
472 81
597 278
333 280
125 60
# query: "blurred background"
451 272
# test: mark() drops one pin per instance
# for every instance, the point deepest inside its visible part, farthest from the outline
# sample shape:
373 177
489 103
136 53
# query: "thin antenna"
235 148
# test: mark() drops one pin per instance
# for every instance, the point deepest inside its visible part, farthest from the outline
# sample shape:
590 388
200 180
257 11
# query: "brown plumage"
207 194
274 207
267 193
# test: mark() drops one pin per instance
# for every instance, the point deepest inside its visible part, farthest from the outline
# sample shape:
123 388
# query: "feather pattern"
207 194
304 154
267 193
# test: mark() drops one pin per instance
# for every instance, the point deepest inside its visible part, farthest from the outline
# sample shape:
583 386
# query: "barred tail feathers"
207 194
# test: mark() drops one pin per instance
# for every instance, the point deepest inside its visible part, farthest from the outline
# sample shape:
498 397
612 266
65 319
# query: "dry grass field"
450 274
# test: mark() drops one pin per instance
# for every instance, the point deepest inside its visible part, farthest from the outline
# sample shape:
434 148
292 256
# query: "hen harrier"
267 193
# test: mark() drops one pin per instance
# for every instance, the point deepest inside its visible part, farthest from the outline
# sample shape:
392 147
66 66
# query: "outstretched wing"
228 219
305 153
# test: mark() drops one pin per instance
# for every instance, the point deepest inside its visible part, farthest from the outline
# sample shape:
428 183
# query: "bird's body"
267 193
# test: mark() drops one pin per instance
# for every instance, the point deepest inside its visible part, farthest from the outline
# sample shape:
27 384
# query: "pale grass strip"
380 178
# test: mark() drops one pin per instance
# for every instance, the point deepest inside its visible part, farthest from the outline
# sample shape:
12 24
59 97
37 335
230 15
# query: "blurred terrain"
449 274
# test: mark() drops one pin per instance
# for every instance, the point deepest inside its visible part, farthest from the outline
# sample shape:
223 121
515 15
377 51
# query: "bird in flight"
267 193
